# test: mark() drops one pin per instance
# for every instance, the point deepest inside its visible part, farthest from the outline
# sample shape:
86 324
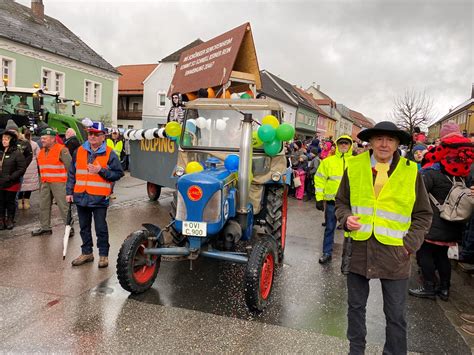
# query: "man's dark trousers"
330 214
394 298
85 215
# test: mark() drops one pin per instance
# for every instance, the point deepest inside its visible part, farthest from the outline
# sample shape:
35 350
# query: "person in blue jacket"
93 169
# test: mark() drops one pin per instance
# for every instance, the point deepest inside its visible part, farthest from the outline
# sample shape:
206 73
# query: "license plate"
195 229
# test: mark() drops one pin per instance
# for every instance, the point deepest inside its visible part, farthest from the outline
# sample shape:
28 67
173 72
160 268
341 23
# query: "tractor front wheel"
259 273
137 271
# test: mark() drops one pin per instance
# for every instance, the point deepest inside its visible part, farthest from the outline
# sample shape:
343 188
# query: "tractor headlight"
179 171
212 211
181 212
276 176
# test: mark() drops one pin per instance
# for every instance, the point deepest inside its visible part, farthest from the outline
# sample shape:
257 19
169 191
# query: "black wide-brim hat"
385 127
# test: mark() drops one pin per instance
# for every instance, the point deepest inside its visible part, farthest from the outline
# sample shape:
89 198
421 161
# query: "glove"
320 205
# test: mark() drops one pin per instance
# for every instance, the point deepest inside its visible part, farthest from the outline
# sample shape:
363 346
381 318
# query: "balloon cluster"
271 133
235 96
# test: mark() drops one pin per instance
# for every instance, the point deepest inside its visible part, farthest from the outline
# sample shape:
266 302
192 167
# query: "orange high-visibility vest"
93 184
51 168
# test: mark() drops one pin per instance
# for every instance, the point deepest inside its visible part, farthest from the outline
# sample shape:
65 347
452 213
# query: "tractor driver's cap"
96 127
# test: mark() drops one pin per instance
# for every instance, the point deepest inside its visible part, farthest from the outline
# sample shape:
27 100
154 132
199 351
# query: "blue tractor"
228 193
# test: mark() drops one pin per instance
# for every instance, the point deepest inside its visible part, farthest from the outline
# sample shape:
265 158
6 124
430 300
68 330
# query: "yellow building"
463 115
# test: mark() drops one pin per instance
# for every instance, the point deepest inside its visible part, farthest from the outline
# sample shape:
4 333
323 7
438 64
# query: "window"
58 82
120 126
53 80
161 99
92 92
7 70
46 81
130 126
135 107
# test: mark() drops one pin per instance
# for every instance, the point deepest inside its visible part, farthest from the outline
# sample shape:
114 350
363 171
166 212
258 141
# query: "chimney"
472 92
317 87
37 8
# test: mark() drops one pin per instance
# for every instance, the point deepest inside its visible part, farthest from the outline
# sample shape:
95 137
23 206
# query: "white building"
156 105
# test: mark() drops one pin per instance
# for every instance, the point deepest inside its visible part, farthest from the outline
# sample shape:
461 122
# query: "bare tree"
412 109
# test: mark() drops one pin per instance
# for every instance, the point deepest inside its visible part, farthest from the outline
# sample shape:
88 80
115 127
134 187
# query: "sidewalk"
461 300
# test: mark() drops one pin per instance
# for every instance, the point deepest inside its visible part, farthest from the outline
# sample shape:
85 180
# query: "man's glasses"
96 134
343 142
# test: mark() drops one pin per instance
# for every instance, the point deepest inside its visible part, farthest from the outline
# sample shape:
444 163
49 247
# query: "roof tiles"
18 24
131 81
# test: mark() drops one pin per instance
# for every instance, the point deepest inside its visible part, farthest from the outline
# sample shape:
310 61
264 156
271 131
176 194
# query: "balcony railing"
129 115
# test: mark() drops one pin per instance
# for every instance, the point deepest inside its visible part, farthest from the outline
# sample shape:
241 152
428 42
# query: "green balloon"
285 132
272 148
266 133
187 141
256 141
245 96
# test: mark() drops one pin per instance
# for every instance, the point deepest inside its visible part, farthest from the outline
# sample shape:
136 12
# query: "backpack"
458 204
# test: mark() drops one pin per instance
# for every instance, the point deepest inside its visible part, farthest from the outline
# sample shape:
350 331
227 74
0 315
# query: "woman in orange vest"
89 185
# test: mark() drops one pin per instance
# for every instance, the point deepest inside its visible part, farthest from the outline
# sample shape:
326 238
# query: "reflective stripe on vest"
389 216
93 184
51 167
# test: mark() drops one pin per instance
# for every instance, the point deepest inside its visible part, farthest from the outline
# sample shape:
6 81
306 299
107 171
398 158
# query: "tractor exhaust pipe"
245 165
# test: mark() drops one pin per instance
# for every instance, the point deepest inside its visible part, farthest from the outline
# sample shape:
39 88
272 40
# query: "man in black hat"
385 210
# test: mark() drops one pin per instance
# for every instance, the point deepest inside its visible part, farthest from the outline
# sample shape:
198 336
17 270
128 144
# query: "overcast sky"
362 53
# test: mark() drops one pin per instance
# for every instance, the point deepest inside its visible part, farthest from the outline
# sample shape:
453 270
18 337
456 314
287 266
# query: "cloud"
362 53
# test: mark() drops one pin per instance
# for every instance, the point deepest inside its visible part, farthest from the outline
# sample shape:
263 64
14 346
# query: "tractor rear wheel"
153 191
259 273
135 272
276 207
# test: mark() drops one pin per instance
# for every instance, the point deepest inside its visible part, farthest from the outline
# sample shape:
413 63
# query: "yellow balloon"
193 167
173 129
271 120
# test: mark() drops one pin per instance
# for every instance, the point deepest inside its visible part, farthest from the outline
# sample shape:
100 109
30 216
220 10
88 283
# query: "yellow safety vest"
389 216
116 147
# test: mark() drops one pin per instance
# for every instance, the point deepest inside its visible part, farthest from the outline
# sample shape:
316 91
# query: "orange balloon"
210 93
227 94
191 96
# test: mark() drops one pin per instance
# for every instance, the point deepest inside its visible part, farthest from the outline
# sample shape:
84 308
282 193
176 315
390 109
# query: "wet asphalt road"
46 305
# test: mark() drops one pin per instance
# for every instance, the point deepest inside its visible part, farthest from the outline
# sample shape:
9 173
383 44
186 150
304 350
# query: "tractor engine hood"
200 195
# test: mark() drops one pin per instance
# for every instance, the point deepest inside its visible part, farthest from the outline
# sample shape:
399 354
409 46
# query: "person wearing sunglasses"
89 185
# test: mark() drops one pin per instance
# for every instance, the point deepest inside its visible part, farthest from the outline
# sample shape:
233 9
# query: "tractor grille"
212 211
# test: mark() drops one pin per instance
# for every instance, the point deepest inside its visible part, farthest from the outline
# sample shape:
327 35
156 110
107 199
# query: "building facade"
156 104
342 124
462 114
275 92
130 99
36 49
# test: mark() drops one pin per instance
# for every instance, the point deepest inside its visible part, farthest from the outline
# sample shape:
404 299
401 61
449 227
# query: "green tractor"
37 108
